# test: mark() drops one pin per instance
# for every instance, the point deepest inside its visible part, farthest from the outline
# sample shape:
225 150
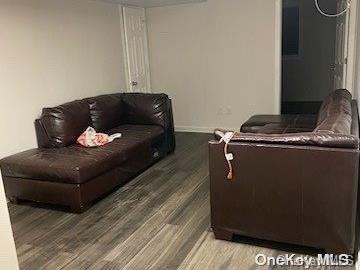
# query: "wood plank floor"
160 220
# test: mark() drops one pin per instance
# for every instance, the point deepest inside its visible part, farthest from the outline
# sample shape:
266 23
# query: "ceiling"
152 3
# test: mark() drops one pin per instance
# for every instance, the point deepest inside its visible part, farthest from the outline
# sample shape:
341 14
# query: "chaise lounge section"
64 173
295 178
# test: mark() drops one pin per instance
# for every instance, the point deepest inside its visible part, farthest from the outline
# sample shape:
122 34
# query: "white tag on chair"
227 137
229 156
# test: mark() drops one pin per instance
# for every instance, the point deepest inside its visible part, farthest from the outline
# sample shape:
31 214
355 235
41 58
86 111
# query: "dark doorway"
308 55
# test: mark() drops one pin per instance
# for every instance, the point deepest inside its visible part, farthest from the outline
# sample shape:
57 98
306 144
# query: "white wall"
215 59
8 258
52 52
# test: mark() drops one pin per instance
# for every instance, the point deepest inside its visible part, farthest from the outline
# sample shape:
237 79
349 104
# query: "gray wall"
52 52
216 59
309 77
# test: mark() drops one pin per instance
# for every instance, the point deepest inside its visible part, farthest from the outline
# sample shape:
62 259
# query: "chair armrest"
325 139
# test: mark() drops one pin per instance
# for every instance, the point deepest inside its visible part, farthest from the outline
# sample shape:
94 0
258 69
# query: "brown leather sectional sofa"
64 173
295 178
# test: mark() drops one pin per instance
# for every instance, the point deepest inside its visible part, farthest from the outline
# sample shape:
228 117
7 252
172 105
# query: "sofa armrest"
42 137
151 109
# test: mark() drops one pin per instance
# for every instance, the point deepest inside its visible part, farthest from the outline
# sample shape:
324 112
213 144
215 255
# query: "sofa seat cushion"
136 138
76 164
261 123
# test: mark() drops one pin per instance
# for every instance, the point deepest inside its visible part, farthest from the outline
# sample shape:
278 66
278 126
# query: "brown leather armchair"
290 185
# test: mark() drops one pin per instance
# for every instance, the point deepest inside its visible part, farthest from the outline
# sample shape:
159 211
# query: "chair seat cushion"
283 128
291 122
76 164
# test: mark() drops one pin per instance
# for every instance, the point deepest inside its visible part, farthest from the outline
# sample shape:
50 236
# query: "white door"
136 44
341 48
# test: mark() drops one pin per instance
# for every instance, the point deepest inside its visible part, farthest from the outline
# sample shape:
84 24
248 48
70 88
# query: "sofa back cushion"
106 111
64 124
146 109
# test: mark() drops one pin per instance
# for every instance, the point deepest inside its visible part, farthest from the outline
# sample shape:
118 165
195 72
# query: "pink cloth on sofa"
90 138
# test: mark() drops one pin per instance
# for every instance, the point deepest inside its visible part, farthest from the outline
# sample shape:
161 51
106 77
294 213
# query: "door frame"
123 43
351 61
278 56
351 49
125 51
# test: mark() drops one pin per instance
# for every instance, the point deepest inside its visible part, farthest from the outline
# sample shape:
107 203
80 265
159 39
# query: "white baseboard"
201 129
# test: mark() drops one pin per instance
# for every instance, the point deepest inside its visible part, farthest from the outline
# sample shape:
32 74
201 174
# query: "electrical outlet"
224 111
228 111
